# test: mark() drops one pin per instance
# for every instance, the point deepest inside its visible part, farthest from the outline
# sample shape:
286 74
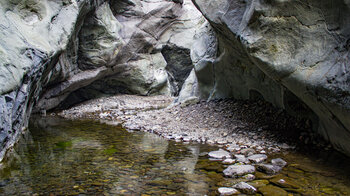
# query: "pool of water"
63 157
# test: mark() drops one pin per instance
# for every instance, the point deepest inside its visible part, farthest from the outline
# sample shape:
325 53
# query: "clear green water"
62 157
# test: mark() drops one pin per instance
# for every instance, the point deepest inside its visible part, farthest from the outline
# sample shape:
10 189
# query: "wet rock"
259 183
279 162
260 175
241 159
249 177
234 147
219 154
228 161
245 188
227 191
239 170
209 166
284 182
257 158
247 151
215 176
269 169
272 190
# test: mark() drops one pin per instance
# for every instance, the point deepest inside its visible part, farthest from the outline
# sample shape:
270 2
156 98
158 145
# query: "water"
62 157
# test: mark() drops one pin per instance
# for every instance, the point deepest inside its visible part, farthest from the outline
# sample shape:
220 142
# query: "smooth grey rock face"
99 39
238 170
293 54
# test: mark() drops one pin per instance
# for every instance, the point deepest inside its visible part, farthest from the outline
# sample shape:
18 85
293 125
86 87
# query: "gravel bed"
242 126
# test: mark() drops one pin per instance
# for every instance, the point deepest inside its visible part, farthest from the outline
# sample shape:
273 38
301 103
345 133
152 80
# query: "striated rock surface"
59 53
133 47
294 54
33 36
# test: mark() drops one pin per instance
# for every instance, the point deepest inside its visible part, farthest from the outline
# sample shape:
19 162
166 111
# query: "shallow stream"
63 157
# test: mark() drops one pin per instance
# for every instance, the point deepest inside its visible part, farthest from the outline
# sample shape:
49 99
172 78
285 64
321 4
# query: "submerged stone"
269 169
284 182
279 162
259 183
272 190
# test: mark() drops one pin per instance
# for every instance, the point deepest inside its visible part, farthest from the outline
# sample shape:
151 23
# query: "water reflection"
84 157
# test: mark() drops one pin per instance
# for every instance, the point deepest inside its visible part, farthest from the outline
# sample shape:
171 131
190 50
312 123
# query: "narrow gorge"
226 94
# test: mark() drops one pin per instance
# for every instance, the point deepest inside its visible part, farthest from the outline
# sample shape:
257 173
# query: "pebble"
245 188
241 159
247 151
232 148
186 139
284 182
238 170
219 154
269 169
227 191
257 158
249 177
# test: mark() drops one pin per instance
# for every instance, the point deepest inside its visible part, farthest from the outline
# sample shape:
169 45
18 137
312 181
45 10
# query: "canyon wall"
59 53
294 54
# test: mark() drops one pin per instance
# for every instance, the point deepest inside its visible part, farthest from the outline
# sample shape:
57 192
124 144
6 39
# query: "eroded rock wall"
54 52
294 54
33 36
127 47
